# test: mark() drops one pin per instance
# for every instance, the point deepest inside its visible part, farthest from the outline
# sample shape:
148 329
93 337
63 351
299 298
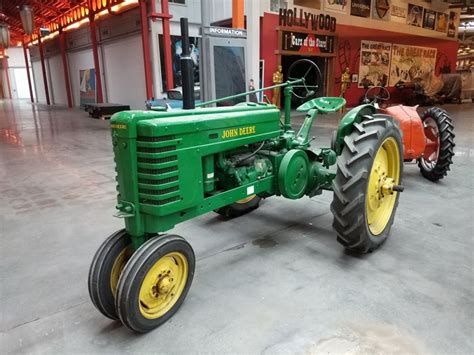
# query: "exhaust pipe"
187 67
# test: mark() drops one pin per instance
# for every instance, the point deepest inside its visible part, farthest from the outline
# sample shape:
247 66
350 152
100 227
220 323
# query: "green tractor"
173 166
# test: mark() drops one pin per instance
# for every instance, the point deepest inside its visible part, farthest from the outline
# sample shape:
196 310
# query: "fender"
356 115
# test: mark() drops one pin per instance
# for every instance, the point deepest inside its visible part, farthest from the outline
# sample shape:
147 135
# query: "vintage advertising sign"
360 8
415 15
452 25
429 19
336 5
306 43
381 10
374 66
305 19
441 22
411 62
399 11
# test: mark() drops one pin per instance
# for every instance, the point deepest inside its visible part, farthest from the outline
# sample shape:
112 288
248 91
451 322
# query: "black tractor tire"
105 269
354 167
237 209
445 126
145 265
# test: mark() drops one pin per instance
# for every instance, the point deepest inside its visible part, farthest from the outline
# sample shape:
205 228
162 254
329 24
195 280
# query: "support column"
43 69
165 18
62 44
95 53
253 41
28 75
167 45
7 77
146 50
238 19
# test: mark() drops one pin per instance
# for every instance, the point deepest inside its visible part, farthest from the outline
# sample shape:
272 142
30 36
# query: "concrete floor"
273 281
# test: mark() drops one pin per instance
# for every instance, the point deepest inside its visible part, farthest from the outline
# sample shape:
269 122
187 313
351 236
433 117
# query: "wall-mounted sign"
452 24
410 62
308 20
374 66
360 8
315 4
381 10
441 22
225 32
336 5
429 19
399 11
306 42
415 15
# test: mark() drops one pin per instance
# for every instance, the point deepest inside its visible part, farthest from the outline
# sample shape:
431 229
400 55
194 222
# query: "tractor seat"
323 104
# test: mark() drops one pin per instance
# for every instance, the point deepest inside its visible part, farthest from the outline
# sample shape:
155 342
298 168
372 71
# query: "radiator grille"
156 150
157 171
157 160
159 202
158 185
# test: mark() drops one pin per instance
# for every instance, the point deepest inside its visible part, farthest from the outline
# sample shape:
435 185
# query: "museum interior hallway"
275 280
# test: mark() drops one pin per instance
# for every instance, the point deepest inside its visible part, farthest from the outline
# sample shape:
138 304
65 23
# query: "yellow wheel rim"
163 285
247 199
118 266
380 197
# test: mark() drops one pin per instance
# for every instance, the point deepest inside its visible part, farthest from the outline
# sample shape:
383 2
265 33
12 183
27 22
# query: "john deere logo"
382 7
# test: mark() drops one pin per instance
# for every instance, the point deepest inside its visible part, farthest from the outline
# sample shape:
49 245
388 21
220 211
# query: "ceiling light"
4 35
27 19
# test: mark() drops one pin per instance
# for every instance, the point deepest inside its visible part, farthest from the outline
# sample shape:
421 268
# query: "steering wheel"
382 95
310 72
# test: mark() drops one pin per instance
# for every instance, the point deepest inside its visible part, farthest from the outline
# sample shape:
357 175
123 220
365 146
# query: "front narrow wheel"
105 270
155 282
367 184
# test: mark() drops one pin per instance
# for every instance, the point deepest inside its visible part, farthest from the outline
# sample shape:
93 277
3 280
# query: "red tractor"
428 139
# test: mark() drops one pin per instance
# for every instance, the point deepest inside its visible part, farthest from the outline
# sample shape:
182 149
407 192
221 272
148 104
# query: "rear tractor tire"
367 184
240 207
439 151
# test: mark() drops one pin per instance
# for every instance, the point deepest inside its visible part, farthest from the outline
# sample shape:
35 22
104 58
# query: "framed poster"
415 15
381 10
360 8
87 89
452 25
429 19
441 22
411 62
399 11
374 67
336 5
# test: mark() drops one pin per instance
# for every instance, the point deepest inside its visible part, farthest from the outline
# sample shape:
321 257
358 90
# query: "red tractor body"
414 138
